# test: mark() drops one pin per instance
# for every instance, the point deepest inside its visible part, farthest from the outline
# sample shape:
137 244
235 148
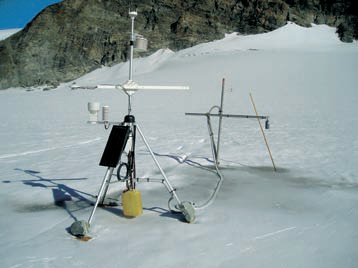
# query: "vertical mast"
133 15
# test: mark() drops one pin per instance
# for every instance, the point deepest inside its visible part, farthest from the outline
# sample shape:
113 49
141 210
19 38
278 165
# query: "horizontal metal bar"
138 87
96 87
150 180
103 86
104 122
230 115
164 87
73 87
131 86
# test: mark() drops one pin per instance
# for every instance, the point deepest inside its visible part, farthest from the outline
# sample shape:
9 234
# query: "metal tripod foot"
81 228
188 210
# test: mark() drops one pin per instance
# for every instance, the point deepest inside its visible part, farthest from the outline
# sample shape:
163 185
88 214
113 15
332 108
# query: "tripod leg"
167 183
105 189
105 181
185 207
81 228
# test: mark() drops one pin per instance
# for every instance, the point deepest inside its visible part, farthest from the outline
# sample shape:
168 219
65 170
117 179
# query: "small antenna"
130 6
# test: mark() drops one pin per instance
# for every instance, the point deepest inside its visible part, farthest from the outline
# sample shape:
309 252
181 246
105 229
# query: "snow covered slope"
6 33
304 215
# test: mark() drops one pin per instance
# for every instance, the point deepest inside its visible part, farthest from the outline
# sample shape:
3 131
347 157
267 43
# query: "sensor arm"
108 87
230 115
162 88
131 86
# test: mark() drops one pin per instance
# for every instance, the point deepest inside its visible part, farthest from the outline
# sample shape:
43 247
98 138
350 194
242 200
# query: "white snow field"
7 33
304 215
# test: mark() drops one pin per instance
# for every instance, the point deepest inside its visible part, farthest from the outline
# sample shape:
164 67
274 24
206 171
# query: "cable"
121 177
218 173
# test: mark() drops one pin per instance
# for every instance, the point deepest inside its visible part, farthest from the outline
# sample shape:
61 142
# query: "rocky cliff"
73 37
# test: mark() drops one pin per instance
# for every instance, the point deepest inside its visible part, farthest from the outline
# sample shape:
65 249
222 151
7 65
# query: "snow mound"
119 72
290 36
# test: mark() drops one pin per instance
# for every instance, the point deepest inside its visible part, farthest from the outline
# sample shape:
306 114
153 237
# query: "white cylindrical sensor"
93 108
105 113
141 43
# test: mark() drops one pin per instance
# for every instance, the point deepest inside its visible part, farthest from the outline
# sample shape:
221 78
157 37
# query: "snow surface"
304 215
8 32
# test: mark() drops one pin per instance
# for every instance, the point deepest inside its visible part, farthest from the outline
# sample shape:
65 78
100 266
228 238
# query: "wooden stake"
263 133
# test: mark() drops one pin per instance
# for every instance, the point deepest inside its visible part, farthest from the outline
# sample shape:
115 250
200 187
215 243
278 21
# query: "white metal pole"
212 142
131 47
220 120
132 15
129 104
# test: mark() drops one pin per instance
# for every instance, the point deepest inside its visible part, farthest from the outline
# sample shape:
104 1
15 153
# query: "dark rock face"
62 42
71 38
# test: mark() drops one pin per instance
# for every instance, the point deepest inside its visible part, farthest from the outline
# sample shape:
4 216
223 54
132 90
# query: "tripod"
130 166
124 136
130 175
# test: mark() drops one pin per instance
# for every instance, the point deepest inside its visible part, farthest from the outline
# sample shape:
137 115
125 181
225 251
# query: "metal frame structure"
80 228
216 145
130 165
130 87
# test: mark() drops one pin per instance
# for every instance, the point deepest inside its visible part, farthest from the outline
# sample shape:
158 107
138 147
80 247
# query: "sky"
17 13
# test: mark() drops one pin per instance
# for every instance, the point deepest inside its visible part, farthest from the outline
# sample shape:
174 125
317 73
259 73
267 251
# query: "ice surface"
302 216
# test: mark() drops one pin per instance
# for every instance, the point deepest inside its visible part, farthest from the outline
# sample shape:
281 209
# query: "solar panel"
115 145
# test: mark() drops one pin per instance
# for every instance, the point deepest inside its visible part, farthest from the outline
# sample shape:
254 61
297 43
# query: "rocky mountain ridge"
73 37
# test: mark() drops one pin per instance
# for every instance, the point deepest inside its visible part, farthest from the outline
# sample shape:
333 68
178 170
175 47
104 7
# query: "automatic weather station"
121 144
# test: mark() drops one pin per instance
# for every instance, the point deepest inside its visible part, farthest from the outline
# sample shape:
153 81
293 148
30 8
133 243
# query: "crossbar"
229 115
133 86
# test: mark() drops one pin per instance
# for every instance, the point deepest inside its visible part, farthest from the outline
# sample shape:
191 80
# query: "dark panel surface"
115 145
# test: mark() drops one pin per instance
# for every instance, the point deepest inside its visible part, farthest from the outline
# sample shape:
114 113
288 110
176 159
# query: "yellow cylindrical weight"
132 203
